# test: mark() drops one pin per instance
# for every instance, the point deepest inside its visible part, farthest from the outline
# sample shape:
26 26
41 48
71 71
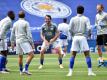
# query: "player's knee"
98 48
42 52
31 54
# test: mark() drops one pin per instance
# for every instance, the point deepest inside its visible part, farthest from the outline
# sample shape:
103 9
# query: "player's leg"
89 63
72 59
43 49
74 49
27 48
64 47
64 51
4 52
20 61
84 47
28 61
2 64
20 57
100 41
59 57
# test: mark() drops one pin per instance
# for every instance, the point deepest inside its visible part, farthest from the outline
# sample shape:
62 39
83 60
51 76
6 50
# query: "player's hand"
51 41
33 46
46 42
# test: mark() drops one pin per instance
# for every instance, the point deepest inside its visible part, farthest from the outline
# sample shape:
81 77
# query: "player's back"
5 25
79 24
21 28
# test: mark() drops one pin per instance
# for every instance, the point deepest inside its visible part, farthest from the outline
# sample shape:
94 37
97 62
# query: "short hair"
10 13
101 5
49 16
21 14
64 20
80 9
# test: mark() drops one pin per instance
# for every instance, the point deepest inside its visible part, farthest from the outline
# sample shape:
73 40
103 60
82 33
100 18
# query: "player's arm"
12 37
29 35
70 28
43 36
96 24
56 35
6 26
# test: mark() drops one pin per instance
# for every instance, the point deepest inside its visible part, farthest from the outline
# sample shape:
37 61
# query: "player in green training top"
49 34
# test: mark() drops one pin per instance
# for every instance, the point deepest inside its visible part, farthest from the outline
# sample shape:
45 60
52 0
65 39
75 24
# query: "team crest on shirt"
43 7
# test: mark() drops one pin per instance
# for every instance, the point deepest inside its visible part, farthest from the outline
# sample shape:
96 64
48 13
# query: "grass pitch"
51 70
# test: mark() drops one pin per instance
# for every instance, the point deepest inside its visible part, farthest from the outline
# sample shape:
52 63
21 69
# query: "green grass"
51 70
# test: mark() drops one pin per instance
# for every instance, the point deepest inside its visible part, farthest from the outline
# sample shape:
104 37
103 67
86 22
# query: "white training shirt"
79 25
21 31
5 25
64 28
101 23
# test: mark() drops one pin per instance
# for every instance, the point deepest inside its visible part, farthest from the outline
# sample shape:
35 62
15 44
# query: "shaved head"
21 14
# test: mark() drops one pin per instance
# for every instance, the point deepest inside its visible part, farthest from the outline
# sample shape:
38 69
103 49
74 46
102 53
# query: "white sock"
101 59
70 70
89 70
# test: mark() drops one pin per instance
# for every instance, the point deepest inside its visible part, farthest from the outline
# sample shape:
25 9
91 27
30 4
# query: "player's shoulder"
85 17
54 24
7 20
43 25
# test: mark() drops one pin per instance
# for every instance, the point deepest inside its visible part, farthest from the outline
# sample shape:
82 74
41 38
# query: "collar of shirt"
100 13
79 15
21 18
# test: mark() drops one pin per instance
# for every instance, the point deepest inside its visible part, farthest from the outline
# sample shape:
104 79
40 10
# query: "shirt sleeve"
6 26
71 24
96 24
12 37
88 24
29 35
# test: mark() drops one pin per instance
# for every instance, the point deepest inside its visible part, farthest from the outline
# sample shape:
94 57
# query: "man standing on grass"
5 25
24 42
101 25
78 27
49 34
63 28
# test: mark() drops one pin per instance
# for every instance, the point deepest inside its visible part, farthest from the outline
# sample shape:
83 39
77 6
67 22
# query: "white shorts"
3 45
63 42
54 45
79 43
23 48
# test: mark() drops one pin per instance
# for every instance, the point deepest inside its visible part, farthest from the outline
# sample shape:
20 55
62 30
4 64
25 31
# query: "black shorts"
102 39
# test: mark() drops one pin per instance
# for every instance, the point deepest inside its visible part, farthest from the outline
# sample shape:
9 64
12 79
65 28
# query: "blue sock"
60 60
88 60
26 66
2 62
71 62
21 67
41 61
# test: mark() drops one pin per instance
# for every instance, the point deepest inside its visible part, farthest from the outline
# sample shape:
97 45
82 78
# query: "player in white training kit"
24 43
5 25
63 28
78 27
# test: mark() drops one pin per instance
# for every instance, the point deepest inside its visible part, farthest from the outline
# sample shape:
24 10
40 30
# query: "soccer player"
24 42
101 25
49 34
78 26
5 25
63 28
